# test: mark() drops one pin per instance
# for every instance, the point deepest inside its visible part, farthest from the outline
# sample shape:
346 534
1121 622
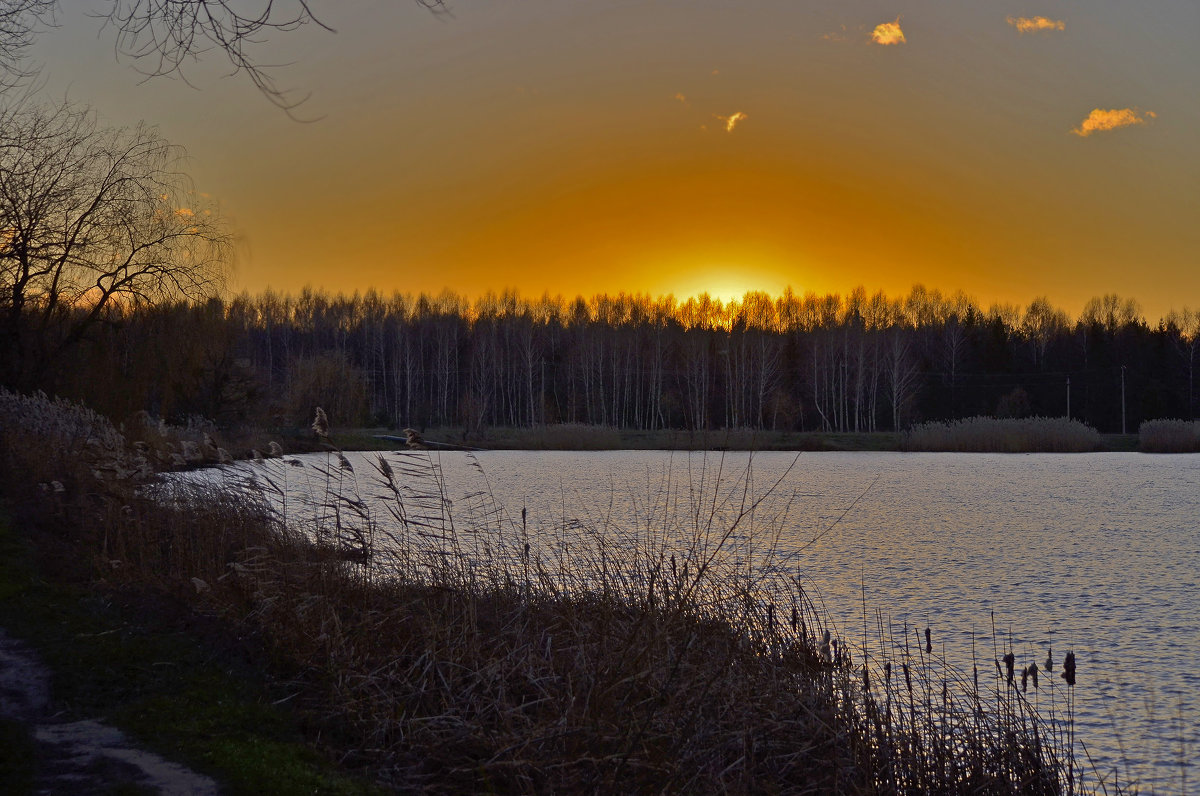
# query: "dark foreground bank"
211 631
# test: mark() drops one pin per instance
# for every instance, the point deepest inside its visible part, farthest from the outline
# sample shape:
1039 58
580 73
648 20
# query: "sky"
1007 149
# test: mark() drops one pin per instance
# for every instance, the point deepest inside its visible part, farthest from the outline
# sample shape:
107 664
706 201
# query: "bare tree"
162 36
1041 325
92 220
18 25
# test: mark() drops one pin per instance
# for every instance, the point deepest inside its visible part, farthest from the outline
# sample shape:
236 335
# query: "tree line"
852 362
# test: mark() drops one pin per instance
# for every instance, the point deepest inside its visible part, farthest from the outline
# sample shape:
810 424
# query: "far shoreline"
574 437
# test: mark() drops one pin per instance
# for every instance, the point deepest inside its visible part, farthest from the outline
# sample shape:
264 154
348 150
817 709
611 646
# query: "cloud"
732 120
837 35
888 33
1100 120
1036 24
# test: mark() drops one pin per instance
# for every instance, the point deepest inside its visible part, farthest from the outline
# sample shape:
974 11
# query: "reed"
449 645
1169 436
1004 435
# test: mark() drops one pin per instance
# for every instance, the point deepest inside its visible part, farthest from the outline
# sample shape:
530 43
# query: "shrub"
1004 435
1169 436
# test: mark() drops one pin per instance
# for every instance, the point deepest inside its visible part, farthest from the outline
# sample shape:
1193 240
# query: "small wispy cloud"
732 120
1036 24
679 96
836 35
888 33
1100 120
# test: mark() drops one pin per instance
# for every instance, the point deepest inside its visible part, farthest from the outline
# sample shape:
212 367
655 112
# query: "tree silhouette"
92 220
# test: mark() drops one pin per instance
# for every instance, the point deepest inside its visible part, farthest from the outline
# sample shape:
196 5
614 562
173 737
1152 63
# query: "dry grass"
1169 436
1004 435
451 648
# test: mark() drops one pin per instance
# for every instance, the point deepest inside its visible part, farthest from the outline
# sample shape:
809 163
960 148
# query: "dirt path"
81 757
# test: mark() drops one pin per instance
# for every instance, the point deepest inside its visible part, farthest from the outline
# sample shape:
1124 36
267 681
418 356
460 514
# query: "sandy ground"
81 757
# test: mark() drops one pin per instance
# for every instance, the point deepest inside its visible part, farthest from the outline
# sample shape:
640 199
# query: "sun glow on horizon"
725 283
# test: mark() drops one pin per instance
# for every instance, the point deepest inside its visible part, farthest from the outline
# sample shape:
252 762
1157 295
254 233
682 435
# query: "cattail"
1068 672
320 423
887 672
1050 659
1010 661
1025 680
866 678
907 677
344 463
928 641
1033 674
795 615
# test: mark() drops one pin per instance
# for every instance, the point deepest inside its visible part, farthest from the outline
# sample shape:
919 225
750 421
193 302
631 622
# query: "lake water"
1095 553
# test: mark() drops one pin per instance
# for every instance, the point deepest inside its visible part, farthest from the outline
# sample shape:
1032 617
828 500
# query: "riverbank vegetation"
1169 436
1004 435
453 648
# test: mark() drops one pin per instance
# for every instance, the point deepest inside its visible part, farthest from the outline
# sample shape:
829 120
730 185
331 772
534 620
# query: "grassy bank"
593 438
452 649
175 679
574 436
589 438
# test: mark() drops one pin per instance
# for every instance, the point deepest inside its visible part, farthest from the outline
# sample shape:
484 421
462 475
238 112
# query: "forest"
852 362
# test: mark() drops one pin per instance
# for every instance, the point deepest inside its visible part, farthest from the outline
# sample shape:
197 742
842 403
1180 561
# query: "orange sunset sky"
1010 149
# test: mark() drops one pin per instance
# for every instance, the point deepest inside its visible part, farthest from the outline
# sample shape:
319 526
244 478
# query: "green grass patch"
144 665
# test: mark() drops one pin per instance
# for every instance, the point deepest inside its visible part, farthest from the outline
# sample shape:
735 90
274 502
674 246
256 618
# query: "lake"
1094 553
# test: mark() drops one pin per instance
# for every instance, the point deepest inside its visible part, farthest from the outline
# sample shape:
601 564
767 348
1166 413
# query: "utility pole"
1068 397
1122 399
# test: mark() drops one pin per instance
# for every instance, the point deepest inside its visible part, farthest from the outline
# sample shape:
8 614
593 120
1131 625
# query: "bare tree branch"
161 36
18 26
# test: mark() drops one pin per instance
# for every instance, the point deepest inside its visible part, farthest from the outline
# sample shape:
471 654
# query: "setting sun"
724 282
